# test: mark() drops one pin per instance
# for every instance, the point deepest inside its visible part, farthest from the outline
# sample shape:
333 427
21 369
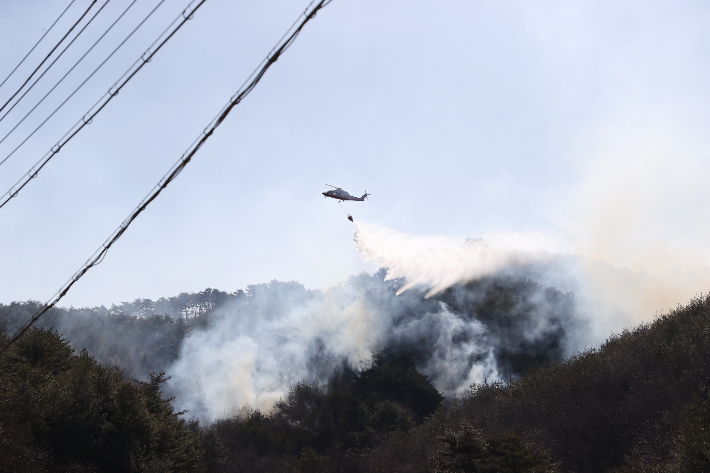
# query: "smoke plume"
435 263
618 295
436 298
255 348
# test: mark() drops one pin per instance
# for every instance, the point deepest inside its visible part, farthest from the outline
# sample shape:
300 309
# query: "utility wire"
48 55
173 172
64 77
181 19
77 89
37 43
55 60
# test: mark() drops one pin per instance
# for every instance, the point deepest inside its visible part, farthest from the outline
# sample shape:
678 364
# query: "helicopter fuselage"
341 195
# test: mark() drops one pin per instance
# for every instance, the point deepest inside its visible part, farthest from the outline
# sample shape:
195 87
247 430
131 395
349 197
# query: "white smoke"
255 349
435 263
449 365
611 298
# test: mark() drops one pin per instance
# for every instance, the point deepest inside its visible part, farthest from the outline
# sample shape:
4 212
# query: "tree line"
638 403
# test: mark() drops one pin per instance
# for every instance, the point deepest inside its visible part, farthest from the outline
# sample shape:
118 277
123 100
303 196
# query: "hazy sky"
569 126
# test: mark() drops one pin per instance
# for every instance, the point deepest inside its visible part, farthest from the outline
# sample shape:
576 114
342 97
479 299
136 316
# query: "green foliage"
354 412
692 443
593 410
138 345
309 461
636 404
468 450
464 451
389 415
82 412
214 457
690 446
394 377
508 453
625 407
512 307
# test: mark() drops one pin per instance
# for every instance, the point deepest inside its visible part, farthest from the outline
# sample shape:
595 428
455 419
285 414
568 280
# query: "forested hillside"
63 411
637 403
139 337
521 321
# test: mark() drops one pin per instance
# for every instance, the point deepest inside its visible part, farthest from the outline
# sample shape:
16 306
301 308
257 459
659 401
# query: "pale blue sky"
583 122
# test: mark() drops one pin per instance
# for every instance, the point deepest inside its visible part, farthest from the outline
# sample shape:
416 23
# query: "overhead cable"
168 33
77 89
59 82
48 55
37 43
173 172
55 60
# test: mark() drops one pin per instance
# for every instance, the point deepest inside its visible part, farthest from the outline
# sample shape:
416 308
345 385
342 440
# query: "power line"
180 20
173 172
77 89
55 60
48 55
37 43
60 81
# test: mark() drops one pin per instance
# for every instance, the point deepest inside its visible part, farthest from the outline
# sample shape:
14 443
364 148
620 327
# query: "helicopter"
341 195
